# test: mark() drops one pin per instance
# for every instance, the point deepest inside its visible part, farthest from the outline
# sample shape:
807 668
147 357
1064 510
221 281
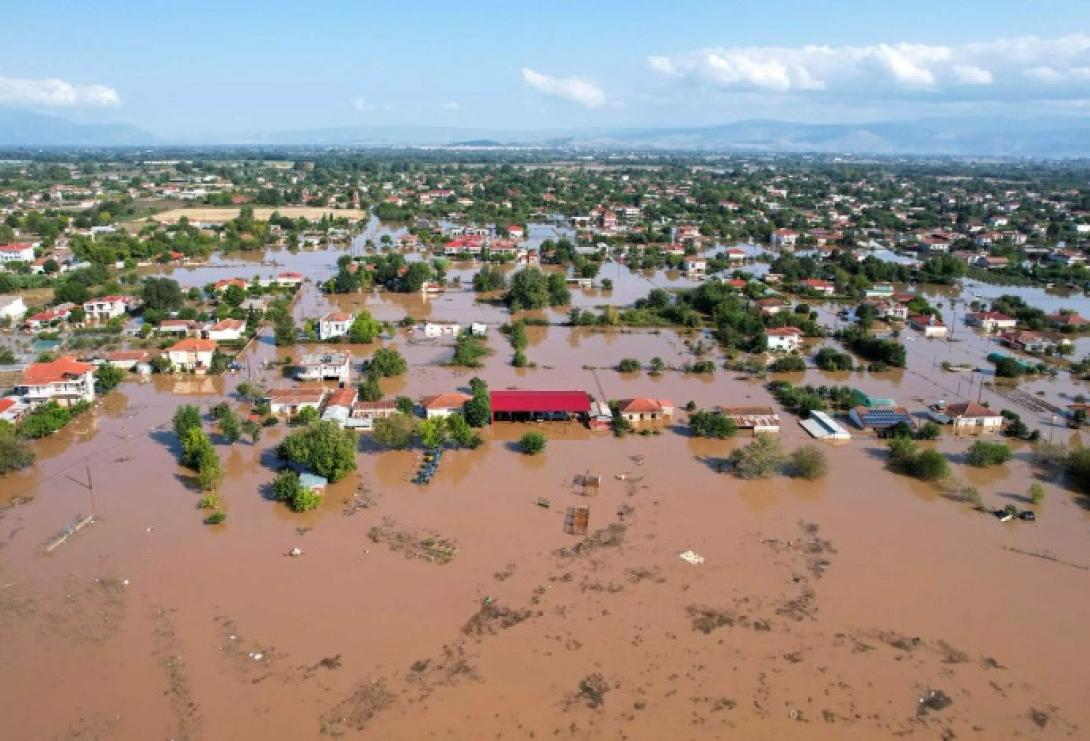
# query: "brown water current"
862 605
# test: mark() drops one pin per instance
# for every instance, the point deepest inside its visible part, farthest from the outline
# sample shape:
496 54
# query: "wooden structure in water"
577 520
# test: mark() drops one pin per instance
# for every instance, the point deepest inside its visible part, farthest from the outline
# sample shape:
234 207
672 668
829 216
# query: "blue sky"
201 68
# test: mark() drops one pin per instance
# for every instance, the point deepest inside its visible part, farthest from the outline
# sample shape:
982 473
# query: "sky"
205 70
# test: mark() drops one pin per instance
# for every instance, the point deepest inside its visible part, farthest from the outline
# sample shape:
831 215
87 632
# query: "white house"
444 405
228 330
107 307
65 380
333 366
334 324
442 329
290 401
289 279
21 252
783 339
990 321
931 326
784 238
12 308
192 355
970 418
695 266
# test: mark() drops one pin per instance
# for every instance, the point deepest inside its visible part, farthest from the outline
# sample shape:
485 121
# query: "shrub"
628 365
928 431
788 364
808 462
930 465
14 453
829 359
984 453
1036 493
215 518
712 424
761 458
107 377
468 351
532 443
45 420
395 432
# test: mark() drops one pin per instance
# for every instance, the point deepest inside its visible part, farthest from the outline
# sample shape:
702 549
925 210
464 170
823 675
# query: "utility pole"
89 486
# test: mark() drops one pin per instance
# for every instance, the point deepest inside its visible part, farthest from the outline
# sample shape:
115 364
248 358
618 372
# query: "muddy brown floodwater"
863 605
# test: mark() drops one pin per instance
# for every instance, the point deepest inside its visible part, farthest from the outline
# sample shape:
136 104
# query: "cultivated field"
222 214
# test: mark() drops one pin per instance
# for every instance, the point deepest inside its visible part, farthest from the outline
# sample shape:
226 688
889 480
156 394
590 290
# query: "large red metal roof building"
522 404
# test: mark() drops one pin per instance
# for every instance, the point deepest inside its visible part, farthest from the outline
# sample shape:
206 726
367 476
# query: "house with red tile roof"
192 355
644 409
65 380
783 339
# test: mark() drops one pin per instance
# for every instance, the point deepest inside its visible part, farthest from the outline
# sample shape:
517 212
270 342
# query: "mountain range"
1053 137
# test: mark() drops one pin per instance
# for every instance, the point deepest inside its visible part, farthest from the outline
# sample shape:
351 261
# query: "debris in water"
694 558
934 700
296 551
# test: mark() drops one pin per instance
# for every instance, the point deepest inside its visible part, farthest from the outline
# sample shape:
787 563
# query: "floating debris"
80 523
577 520
694 558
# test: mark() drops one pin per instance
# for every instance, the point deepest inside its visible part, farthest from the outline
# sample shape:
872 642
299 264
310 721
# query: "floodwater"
822 610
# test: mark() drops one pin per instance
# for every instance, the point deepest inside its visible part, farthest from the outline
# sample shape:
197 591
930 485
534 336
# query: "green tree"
532 443
985 453
186 417
14 453
433 432
386 363
712 424
760 458
461 433
529 290
252 430
234 295
808 462
107 377
1036 493
405 405
930 465
370 390
364 328
395 432
161 294
230 426
478 410
323 447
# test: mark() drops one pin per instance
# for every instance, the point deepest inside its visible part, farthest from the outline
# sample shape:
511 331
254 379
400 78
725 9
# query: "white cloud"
574 89
362 105
451 105
1024 67
970 74
55 93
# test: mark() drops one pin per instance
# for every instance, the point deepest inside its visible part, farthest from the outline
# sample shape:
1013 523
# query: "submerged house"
823 427
290 401
329 366
643 409
756 419
880 418
65 380
971 418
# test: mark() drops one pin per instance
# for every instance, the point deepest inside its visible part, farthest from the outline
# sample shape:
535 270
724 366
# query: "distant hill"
1061 137
19 128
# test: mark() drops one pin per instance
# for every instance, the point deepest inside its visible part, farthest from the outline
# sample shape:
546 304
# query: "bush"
628 365
323 447
468 351
107 377
761 458
215 518
532 443
395 432
829 359
930 465
14 453
45 420
808 462
928 431
712 424
288 488
1036 493
1078 467
984 453
788 364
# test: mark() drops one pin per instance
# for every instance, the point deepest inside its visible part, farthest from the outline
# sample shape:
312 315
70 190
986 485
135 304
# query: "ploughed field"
861 605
